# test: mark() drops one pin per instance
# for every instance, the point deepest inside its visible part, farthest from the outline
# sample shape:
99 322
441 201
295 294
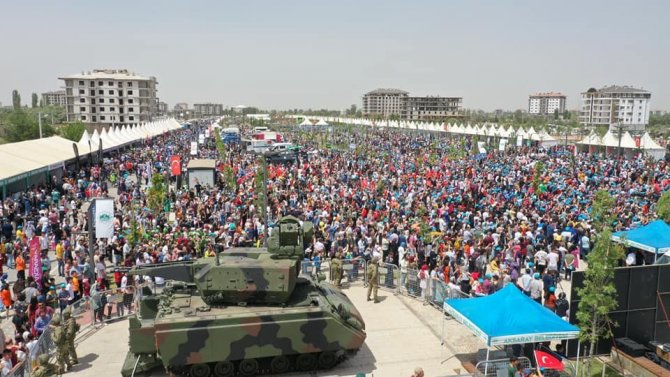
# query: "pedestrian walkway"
399 340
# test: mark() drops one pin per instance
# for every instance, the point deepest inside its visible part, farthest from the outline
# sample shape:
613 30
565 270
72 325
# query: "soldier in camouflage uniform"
71 329
336 270
59 337
373 278
44 367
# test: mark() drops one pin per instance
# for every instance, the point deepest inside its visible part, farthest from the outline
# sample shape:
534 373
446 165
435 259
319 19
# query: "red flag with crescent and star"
548 361
175 165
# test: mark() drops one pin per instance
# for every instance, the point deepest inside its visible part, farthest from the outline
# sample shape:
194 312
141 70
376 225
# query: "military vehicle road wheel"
199 370
327 360
280 364
248 367
224 369
306 362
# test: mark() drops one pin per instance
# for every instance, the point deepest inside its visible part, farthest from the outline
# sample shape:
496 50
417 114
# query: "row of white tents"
27 160
489 129
630 145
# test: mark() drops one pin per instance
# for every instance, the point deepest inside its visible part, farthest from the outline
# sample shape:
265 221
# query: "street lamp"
39 121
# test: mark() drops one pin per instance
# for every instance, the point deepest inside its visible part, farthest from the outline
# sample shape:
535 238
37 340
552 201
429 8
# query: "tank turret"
243 276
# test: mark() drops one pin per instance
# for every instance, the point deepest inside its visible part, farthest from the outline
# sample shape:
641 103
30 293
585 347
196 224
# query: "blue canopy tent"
509 317
653 237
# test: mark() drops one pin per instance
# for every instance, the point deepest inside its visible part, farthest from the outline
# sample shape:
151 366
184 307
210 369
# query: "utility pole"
39 121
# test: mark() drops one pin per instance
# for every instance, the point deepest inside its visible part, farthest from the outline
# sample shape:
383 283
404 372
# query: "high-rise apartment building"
55 98
393 102
546 103
106 97
615 104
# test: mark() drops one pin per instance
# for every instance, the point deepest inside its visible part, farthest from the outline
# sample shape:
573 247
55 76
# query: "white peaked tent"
321 122
306 122
627 141
609 140
651 148
591 139
85 137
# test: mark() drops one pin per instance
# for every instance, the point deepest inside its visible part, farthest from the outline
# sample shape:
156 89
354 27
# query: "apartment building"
106 97
432 108
387 103
616 104
207 109
55 98
545 104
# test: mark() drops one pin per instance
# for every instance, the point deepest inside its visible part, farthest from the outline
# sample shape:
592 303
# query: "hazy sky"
326 54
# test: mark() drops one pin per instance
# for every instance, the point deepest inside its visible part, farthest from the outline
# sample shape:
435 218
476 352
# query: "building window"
101 92
102 100
131 110
83 117
102 117
81 83
131 118
82 109
111 92
130 100
102 109
111 100
94 118
130 84
110 83
100 83
82 91
130 92
82 100
92 83
92 92
112 109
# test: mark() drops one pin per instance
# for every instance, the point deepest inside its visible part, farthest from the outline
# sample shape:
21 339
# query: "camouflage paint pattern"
244 304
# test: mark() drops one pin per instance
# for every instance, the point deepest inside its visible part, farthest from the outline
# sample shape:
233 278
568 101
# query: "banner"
207 133
503 144
104 218
519 141
201 139
194 148
35 259
480 146
175 165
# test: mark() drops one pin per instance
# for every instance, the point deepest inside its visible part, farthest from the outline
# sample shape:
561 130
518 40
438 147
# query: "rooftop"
548 94
617 89
114 74
386 91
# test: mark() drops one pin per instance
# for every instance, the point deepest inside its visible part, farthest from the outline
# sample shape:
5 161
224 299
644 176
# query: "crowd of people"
418 201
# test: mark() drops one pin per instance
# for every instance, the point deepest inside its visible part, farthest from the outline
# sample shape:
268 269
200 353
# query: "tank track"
307 362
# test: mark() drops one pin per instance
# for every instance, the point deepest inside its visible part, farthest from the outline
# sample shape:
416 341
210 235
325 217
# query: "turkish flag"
175 165
548 361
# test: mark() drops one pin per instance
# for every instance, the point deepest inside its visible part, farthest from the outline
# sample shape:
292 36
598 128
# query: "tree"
73 131
157 193
598 296
537 176
16 99
22 125
663 207
260 188
35 101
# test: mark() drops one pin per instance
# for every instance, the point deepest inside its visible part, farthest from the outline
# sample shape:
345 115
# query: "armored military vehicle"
246 311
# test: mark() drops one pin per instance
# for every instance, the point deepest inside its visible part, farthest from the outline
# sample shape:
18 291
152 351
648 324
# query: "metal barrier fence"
352 270
498 367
